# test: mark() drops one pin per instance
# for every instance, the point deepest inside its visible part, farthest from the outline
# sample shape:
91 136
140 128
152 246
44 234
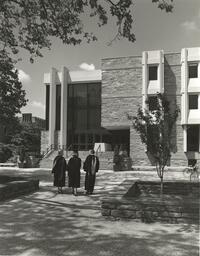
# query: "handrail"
48 150
53 147
99 147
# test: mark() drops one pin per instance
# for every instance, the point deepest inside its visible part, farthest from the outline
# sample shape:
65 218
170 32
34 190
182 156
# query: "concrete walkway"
47 223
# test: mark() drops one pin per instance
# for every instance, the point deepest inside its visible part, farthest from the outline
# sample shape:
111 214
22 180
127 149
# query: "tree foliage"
5 152
28 137
31 24
12 97
156 130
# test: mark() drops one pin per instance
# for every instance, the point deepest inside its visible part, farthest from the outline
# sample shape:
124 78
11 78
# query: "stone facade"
125 85
44 141
122 94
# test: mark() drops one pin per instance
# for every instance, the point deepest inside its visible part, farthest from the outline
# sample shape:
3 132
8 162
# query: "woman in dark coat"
59 169
91 166
73 167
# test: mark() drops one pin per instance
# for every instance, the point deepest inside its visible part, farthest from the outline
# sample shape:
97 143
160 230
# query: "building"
88 107
28 118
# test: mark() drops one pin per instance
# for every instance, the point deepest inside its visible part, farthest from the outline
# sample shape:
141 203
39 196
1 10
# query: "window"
58 106
84 113
94 118
153 74
193 138
94 94
70 95
153 103
193 70
80 95
193 101
80 116
90 138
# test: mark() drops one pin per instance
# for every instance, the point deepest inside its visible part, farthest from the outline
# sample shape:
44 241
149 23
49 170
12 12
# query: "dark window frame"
47 106
193 70
193 138
58 107
193 103
90 106
153 72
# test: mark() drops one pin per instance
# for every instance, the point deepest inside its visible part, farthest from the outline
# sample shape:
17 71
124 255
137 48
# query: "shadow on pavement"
47 223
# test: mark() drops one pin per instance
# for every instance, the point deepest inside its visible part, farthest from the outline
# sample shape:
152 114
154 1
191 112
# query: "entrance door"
119 138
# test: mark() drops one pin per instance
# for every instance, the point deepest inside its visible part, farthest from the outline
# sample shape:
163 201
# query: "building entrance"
118 138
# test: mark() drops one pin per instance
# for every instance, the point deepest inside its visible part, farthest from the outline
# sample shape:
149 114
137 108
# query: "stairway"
105 158
47 162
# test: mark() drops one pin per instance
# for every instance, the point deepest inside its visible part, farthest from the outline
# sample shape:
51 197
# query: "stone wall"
57 138
146 204
122 94
121 90
44 141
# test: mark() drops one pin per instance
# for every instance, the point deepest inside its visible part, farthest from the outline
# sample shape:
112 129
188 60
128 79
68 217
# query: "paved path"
47 223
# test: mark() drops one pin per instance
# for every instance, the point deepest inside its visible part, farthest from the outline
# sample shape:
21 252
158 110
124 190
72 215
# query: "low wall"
12 187
147 205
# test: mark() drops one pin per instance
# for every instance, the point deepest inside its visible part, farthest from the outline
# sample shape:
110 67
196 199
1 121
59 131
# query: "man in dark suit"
91 167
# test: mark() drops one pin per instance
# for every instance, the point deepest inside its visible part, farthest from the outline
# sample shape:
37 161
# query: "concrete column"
199 138
52 105
161 72
184 87
185 138
144 79
64 99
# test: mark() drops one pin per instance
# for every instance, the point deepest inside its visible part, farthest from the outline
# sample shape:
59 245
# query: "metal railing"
48 151
78 146
53 147
98 150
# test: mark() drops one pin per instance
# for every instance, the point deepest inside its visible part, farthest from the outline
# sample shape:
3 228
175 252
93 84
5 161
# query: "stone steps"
105 158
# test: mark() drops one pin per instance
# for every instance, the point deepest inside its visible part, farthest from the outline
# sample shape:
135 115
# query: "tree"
28 137
31 24
12 97
156 130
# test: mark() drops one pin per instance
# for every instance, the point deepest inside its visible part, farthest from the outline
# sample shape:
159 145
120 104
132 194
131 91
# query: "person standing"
58 170
90 166
74 174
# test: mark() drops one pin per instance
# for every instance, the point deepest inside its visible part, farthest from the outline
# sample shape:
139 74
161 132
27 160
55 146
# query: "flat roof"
78 76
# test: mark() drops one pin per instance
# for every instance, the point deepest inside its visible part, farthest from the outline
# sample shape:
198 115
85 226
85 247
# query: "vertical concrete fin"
64 101
52 105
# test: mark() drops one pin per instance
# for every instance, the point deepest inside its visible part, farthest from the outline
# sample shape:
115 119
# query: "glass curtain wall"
84 115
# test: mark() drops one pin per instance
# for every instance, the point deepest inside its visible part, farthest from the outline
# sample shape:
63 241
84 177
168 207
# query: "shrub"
5 152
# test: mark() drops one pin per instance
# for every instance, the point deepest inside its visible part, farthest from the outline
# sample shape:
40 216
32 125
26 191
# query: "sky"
154 30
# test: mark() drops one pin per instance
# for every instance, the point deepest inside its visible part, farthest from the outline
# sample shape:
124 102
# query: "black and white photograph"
99 127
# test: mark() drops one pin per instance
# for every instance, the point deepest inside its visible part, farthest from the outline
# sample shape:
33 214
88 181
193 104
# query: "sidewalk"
47 223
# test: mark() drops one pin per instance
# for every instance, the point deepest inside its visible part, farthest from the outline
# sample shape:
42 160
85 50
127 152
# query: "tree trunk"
161 185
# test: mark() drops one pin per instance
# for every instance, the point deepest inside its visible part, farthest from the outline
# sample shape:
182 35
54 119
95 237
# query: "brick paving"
47 223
